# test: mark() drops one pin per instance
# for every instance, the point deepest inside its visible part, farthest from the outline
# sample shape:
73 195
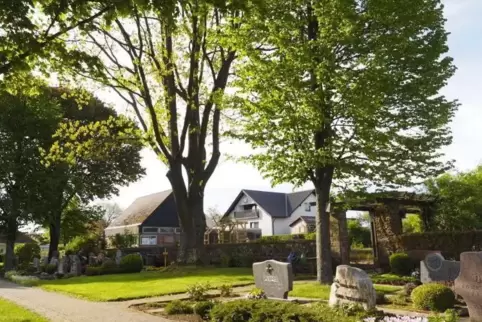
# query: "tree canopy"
346 92
458 200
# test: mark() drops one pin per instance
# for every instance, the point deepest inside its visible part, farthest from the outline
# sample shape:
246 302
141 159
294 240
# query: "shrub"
256 294
391 279
226 260
86 244
433 297
109 267
49 268
178 307
203 308
198 291
226 290
401 264
131 263
93 270
27 252
399 299
381 298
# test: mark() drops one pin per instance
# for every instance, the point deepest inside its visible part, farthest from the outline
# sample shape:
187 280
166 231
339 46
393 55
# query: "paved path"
61 308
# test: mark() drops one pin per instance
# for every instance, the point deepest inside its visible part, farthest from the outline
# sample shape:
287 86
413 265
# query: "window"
307 207
313 204
254 225
149 229
249 207
148 240
166 230
177 230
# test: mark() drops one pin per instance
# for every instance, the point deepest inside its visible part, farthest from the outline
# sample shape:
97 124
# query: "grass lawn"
147 284
315 290
13 313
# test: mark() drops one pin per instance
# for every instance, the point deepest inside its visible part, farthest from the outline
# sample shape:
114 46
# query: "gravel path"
61 308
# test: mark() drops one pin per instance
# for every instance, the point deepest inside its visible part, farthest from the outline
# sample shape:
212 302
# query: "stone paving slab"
62 308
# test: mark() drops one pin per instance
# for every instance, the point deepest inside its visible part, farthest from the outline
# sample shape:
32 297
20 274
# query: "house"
271 213
22 238
152 219
303 225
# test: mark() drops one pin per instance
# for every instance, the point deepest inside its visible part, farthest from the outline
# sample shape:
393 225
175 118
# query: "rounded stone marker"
434 261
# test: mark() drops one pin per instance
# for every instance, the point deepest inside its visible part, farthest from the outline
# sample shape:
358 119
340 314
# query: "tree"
175 65
458 200
110 211
412 223
358 234
25 37
87 160
346 92
26 123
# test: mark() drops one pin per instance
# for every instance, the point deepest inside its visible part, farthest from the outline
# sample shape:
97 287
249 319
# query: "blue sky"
464 22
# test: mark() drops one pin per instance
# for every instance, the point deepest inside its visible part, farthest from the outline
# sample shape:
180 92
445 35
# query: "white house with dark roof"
271 213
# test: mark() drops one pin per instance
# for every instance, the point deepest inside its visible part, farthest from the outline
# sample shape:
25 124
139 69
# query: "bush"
203 308
93 270
256 294
198 291
399 299
109 267
391 279
49 268
131 263
226 290
433 297
27 252
401 264
178 307
86 244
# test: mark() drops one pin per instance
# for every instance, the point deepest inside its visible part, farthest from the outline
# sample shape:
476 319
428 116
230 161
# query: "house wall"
299 228
282 225
264 221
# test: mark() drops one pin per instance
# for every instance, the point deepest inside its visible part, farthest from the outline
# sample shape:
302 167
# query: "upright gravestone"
274 278
44 261
92 259
352 286
67 263
469 283
435 268
76 268
118 256
36 264
60 267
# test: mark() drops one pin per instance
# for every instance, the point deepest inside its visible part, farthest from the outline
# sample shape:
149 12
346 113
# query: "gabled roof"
309 220
141 209
276 204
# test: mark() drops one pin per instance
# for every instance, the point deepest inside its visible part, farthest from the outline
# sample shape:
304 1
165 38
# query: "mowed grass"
11 312
147 284
317 291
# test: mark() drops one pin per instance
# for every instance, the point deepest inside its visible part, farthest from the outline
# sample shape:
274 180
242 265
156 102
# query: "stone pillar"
344 240
388 226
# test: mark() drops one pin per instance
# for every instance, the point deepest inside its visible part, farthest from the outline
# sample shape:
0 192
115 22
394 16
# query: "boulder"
352 286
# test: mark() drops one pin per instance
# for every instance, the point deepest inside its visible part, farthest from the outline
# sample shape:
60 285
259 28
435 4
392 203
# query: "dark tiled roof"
307 219
141 209
276 204
22 238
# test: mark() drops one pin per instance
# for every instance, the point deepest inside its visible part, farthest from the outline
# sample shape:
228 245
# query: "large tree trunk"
190 210
54 233
324 269
11 236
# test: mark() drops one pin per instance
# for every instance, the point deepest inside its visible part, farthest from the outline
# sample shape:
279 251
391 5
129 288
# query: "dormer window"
308 205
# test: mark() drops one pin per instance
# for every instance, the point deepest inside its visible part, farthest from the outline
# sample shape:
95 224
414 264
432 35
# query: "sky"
465 26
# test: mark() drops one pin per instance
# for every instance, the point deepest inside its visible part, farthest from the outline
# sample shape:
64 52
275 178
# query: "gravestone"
274 278
67 263
92 259
76 268
60 267
436 268
100 258
469 283
118 256
352 286
36 264
44 261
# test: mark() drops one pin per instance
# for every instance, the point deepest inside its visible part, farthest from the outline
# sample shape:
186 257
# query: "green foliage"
358 234
226 290
110 267
391 279
198 291
400 299
178 307
433 297
27 252
93 270
225 260
131 263
256 294
401 264
49 268
77 219
282 238
121 241
448 316
86 244
412 223
203 308
458 200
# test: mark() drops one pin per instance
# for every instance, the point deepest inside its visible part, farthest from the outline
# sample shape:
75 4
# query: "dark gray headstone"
118 256
274 278
435 268
76 266
469 283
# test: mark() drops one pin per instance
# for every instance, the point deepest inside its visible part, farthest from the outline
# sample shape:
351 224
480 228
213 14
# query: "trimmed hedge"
391 279
131 263
27 252
433 297
280 238
401 264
